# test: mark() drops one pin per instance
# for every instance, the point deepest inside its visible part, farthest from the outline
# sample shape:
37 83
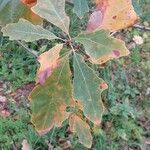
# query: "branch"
34 53
142 27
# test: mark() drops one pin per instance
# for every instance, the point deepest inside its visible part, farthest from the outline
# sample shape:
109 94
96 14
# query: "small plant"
66 85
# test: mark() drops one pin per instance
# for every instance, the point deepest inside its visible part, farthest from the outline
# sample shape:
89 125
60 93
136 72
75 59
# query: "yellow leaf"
48 62
82 129
49 101
112 15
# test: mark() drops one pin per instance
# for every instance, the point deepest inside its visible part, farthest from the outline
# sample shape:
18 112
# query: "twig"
142 27
113 33
34 53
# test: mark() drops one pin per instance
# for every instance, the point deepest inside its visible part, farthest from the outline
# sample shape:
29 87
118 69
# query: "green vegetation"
127 101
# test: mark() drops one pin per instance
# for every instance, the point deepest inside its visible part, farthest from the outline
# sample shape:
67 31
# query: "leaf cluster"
57 86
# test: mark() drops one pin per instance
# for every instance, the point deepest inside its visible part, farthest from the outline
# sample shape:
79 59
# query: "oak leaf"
12 10
112 15
80 7
101 47
25 30
87 89
49 101
54 12
82 129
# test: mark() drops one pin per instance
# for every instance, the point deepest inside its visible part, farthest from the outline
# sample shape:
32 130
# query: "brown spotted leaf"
87 89
48 62
112 15
101 47
82 129
49 101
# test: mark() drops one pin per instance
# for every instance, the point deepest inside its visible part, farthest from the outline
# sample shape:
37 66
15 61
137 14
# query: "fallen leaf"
25 145
4 113
2 99
138 40
65 144
146 142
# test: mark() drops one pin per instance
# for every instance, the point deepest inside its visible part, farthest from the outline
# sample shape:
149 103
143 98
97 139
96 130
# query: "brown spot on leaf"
114 17
103 86
116 53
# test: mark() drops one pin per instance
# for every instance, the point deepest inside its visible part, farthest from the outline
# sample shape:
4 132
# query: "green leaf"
137 7
80 7
3 3
54 12
12 10
8 13
49 101
82 129
24 30
87 88
101 47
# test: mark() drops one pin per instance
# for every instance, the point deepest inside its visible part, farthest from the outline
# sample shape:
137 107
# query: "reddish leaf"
48 62
4 113
29 2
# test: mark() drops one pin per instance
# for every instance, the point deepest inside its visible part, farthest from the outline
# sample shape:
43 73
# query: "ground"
126 121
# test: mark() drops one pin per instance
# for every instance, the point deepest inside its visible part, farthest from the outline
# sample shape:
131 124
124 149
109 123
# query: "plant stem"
142 27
